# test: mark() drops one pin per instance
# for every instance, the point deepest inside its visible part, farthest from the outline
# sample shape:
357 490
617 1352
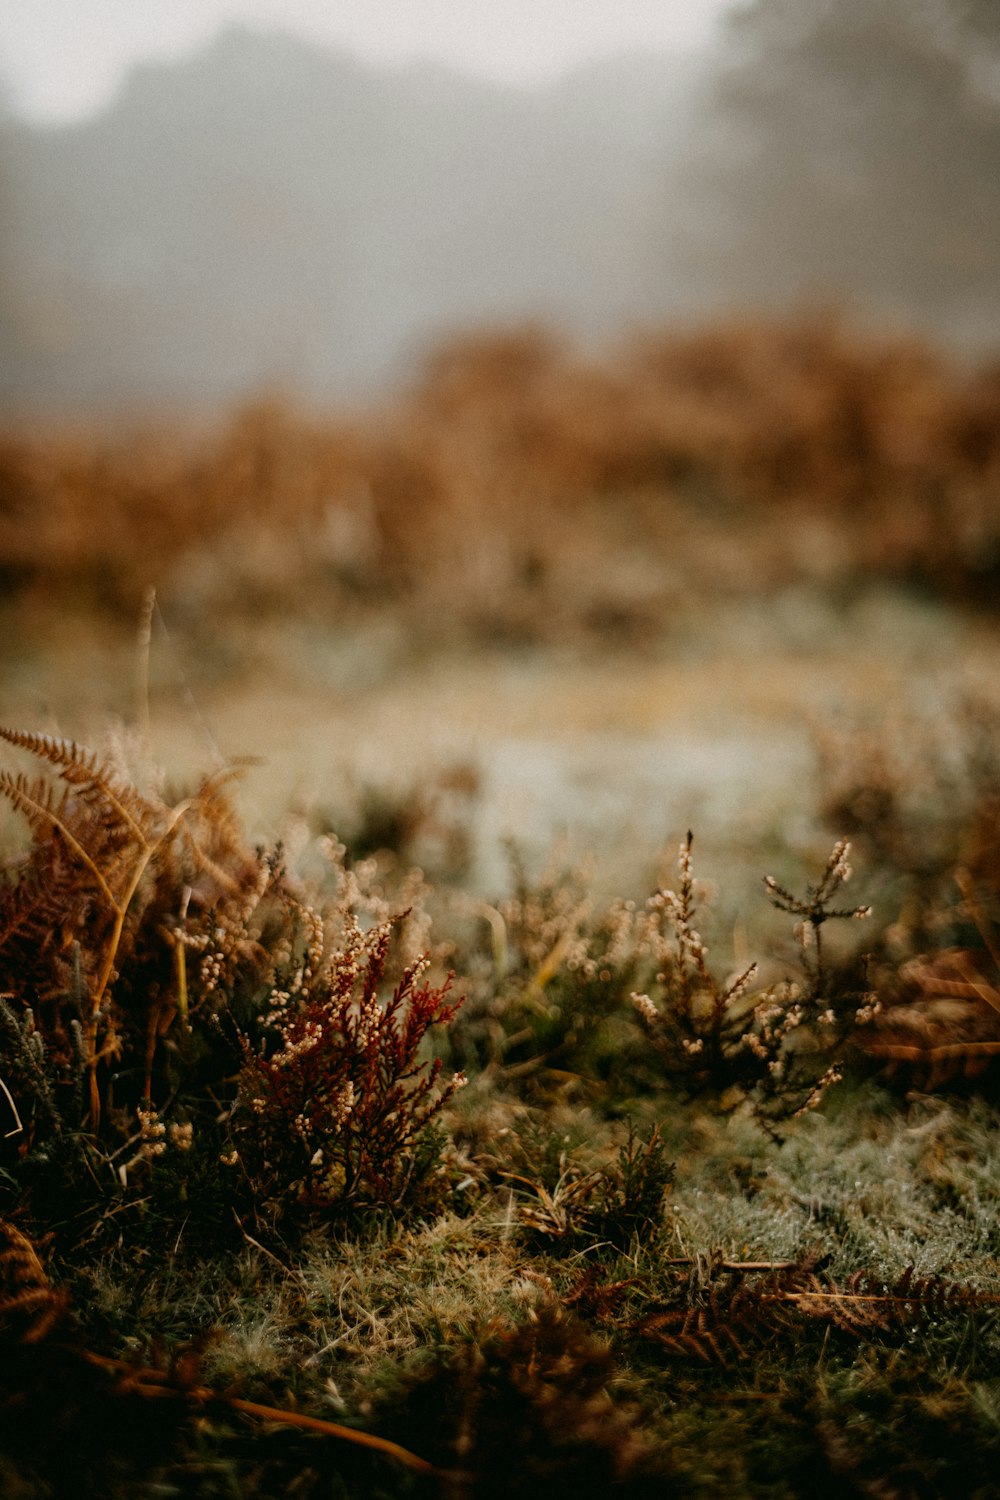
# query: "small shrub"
635 1191
334 1108
146 953
774 1045
927 815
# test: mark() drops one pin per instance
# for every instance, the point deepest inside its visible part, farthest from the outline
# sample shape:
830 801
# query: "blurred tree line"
265 214
853 147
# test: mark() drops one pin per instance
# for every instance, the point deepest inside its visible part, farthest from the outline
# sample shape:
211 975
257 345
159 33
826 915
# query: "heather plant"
547 999
148 954
336 1105
775 1046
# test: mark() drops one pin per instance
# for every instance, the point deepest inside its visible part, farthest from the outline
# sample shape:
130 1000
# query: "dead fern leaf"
701 1333
29 1304
949 1029
748 1308
95 917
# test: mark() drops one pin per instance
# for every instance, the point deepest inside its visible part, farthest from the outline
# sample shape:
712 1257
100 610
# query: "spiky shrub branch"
808 1021
778 1043
334 1106
814 911
698 1026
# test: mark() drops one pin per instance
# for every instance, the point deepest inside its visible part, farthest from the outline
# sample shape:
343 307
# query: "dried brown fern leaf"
591 1297
948 1027
94 779
732 1311
748 1307
943 1035
868 1305
115 884
937 1066
953 973
218 862
852 1312
33 911
29 1304
702 1333
45 815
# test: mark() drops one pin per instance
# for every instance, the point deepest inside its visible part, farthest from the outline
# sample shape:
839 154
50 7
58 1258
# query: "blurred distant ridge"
268 212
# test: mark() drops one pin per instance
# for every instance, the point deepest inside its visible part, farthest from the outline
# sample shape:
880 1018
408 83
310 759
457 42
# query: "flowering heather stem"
333 1106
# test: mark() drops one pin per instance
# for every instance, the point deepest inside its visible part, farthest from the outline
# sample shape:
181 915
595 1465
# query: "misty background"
268 212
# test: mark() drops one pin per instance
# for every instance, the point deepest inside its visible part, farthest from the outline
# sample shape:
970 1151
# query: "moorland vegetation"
522 491
316 1179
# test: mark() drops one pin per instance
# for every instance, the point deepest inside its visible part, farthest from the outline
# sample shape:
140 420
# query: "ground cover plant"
300 1195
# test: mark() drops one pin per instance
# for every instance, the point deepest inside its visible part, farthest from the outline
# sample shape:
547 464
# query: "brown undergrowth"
501 495
924 808
149 956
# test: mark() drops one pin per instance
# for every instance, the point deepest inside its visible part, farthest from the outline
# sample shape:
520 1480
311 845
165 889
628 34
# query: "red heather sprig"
334 1111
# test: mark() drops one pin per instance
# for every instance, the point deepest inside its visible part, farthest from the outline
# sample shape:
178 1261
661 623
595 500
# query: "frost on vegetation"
744 1228
898 1195
258 1343
776 1045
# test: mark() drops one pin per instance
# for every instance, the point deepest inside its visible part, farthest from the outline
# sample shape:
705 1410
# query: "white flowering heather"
772 1044
334 1102
646 1008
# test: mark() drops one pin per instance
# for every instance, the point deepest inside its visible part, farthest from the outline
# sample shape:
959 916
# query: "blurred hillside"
268 213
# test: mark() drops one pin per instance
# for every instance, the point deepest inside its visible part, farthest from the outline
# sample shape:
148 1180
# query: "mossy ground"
524 1353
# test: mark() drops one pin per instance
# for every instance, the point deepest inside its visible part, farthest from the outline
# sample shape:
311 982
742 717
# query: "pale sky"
64 58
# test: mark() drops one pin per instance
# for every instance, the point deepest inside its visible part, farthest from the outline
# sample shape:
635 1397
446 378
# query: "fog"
268 212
